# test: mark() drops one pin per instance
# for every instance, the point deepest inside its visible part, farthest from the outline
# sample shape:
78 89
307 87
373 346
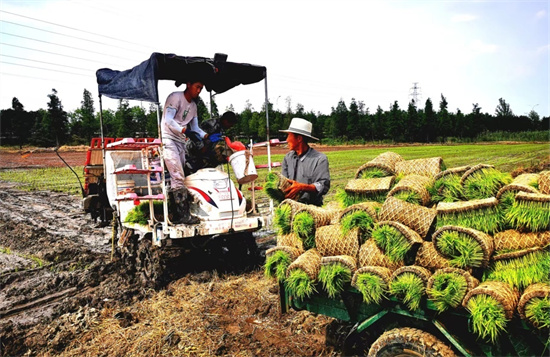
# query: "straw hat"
300 126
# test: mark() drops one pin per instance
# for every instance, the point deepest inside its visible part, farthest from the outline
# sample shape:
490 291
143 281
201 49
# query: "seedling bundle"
469 238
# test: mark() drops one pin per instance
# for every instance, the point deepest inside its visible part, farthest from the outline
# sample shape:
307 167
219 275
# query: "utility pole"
415 94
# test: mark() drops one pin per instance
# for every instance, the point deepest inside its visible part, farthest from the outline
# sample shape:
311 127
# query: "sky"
317 53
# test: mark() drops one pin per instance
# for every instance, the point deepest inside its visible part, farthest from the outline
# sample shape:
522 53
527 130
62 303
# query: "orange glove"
235 146
294 190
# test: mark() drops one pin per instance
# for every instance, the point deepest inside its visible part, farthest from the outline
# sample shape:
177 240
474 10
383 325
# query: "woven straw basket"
414 183
465 206
385 161
501 292
369 207
330 241
427 167
292 252
381 272
471 281
521 183
290 240
472 170
421 272
416 217
370 186
484 240
294 205
309 262
514 240
428 257
537 290
409 234
345 260
321 216
370 254
460 170
533 197
544 182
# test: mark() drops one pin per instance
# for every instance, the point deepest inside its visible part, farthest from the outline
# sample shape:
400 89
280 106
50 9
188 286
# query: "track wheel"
149 264
408 341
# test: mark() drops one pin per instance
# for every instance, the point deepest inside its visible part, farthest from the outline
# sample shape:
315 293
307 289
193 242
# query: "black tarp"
141 82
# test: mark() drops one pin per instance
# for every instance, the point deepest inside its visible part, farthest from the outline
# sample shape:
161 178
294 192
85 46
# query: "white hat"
300 126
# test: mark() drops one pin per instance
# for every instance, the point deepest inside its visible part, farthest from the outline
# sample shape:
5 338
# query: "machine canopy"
141 82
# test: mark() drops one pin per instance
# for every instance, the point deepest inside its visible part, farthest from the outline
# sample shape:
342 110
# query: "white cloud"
478 46
463 18
540 14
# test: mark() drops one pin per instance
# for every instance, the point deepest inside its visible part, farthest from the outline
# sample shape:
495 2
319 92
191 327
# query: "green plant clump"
272 187
409 196
282 219
537 310
372 287
488 316
299 284
463 250
487 219
276 265
304 227
447 291
373 172
531 215
334 278
347 199
409 288
392 242
357 219
522 271
446 189
140 213
485 183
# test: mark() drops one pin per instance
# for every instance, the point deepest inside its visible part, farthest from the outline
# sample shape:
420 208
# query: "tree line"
346 123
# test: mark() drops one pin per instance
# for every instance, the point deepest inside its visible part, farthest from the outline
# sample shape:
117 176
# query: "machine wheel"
408 341
149 264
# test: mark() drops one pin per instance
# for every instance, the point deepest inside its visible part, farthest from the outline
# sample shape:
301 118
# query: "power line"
72 28
46 69
62 34
53 64
66 46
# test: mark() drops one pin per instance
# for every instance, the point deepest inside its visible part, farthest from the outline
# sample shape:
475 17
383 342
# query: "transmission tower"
415 94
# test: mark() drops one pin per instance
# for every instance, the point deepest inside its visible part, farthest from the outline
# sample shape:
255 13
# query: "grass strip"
522 271
282 219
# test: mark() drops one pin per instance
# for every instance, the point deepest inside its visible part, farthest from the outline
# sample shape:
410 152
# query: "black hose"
78 178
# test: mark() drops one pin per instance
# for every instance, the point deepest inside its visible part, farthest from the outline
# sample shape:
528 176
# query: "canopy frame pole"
267 124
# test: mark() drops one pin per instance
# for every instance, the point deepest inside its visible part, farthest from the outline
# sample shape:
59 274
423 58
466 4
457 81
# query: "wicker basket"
345 260
369 186
501 292
276 189
514 240
412 236
290 240
385 162
416 217
370 254
414 183
330 241
294 205
465 206
428 257
309 262
292 252
430 167
521 183
423 273
544 182
460 170
485 241
538 290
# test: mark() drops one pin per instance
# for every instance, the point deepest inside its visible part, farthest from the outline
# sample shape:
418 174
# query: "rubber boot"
182 206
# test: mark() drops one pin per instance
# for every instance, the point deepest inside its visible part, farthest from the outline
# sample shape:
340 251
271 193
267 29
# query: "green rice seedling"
530 215
357 219
271 187
447 291
372 287
485 183
276 265
409 288
487 316
522 271
282 219
140 214
304 227
373 172
299 284
447 189
463 251
392 242
486 219
346 199
334 278
409 196
537 310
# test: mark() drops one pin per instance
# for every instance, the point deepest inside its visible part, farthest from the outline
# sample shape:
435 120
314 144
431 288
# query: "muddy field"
63 293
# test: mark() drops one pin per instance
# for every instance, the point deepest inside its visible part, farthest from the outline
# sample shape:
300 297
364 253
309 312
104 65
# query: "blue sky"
316 52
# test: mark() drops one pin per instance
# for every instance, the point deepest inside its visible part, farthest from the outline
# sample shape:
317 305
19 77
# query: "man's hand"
296 187
214 138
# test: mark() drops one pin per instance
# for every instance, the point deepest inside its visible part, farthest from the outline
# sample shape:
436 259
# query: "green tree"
431 119
151 128
504 116
443 126
123 124
83 123
352 126
56 122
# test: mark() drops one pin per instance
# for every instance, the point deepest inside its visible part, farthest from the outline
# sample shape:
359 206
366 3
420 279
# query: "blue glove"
214 138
